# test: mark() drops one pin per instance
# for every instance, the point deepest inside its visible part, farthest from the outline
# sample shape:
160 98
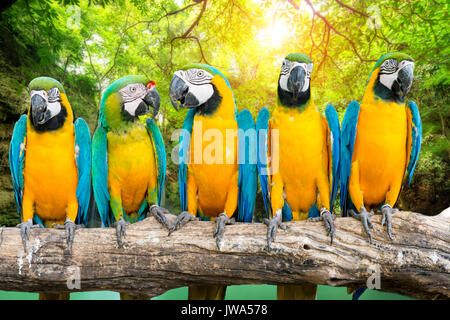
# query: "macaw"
50 162
224 182
298 158
381 140
129 159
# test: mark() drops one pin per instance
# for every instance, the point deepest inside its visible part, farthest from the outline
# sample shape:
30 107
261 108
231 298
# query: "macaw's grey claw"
1 234
25 230
183 218
327 219
364 216
70 232
70 228
221 221
120 230
329 223
272 228
387 211
160 214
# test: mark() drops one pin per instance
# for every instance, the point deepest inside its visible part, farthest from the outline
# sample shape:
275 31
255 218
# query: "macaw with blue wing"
380 142
298 158
50 162
129 159
218 182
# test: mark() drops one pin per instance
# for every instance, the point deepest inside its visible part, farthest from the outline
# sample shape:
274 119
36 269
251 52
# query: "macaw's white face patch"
389 71
286 69
52 100
132 95
198 82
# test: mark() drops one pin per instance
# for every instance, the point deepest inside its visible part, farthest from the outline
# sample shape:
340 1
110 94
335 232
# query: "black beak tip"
177 92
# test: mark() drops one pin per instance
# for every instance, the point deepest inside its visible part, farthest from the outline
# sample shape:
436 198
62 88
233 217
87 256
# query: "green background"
242 292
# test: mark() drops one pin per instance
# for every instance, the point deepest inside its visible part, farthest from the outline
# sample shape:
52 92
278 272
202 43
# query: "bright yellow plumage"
212 187
131 167
49 157
303 160
380 152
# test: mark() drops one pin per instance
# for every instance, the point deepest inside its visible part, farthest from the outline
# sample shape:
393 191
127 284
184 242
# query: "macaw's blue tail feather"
358 293
184 143
248 175
313 212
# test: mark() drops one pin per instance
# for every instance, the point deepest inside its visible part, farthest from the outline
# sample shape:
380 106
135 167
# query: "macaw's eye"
200 74
53 94
133 89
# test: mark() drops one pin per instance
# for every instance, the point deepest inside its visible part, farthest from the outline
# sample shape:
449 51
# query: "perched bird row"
300 156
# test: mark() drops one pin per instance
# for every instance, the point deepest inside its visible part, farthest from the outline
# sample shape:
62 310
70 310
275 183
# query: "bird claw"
364 217
70 228
25 231
272 228
387 211
221 221
1 234
329 223
120 230
160 214
70 232
183 218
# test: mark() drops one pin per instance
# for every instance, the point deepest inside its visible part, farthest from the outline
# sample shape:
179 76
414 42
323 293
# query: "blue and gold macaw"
129 158
380 141
303 149
217 182
50 162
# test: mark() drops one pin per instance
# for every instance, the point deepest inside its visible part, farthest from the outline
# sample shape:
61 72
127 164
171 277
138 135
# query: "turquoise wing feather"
100 174
158 143
416 139
17 159
248 176
262 131
184 144
335 141
83 161
348 136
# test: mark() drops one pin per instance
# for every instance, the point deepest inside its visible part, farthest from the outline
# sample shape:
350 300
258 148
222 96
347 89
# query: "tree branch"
415 263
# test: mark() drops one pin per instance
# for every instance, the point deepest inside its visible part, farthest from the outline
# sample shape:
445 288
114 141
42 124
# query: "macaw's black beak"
403 83
296 81
39 109
151 99
178 91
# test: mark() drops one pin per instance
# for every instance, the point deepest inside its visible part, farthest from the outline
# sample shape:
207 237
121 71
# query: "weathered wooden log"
416 263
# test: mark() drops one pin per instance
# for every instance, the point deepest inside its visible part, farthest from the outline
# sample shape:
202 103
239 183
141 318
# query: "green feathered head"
394 76
45 83
294 81
299 57
127 98
199 86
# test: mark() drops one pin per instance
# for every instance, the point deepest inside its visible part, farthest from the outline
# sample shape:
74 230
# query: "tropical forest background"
88 44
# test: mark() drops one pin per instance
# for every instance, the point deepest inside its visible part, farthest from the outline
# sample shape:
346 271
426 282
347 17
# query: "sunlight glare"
274 35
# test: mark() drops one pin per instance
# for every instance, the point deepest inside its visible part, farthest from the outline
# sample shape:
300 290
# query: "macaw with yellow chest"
129 159
220 179
298 158
380 141
50 162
